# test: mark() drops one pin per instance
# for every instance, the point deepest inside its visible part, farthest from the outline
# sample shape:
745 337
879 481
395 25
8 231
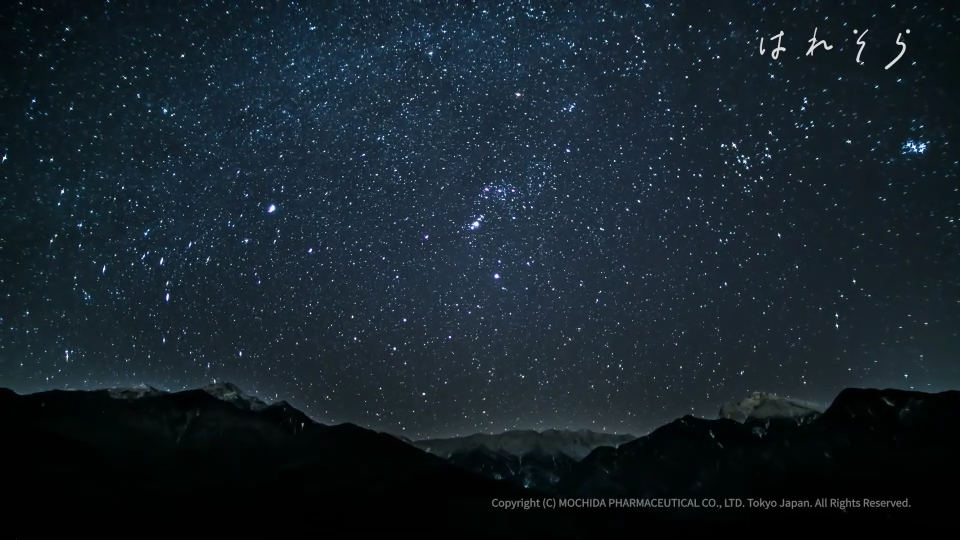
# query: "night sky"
438 218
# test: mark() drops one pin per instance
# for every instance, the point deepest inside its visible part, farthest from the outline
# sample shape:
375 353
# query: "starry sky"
438 218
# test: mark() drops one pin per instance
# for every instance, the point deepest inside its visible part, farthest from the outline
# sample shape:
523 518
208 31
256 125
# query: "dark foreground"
192 463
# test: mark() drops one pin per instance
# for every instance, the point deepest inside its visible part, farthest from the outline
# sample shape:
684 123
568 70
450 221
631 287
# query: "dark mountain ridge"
869 445
161 455
147 456
528 458
574 443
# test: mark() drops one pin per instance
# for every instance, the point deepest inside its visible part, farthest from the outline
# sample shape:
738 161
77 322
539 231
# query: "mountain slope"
869 444
573 443
219 462
161 457
532 459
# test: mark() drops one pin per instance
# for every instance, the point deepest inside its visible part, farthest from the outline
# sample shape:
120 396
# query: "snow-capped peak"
764 406
224 391
232 394
135 392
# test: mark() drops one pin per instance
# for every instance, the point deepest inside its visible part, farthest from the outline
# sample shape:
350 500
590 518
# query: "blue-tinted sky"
446 217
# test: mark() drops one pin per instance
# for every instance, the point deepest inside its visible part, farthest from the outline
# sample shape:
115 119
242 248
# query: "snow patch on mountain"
232 394
763 406
135 392
224 391
575 444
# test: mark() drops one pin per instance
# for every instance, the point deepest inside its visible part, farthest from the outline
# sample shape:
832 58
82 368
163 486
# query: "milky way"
439 218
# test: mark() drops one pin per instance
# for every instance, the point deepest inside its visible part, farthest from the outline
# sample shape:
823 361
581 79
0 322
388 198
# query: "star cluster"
442 218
